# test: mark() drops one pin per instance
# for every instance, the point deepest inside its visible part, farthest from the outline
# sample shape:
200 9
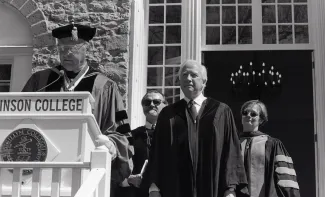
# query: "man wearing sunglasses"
196 150
152 103
74 74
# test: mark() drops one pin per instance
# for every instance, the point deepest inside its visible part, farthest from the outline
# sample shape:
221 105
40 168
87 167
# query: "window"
16 49
285 22
164 47
5 76
255 24
228 22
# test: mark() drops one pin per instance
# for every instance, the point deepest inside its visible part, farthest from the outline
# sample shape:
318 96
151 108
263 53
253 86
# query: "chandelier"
254 80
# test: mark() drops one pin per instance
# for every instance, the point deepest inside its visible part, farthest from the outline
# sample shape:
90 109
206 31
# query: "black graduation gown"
141 141
269 167
108 110
219 163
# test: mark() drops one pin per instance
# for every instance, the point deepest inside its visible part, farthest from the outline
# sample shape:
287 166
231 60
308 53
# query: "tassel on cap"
74 32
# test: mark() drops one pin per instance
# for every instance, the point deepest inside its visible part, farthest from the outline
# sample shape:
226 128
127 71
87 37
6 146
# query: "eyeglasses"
72 48
251 113
147 102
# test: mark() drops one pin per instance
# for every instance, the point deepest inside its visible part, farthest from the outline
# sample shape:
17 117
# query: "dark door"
290 107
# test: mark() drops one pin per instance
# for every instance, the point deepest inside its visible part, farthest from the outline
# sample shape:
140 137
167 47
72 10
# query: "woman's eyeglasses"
251 113
147 102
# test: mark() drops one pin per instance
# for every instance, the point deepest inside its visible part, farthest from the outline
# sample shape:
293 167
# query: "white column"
138 58
191 28
20 72
318 24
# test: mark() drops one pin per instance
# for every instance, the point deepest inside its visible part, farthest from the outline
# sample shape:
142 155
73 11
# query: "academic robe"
268 165
218 160
141 141
108 110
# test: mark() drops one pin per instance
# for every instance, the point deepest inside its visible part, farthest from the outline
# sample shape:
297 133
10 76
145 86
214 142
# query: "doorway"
290 109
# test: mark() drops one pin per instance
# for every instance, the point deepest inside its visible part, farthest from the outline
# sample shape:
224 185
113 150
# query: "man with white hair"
196 151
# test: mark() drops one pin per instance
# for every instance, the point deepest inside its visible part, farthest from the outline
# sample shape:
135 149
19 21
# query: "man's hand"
111 148
229 193
135 180
104 140
154 194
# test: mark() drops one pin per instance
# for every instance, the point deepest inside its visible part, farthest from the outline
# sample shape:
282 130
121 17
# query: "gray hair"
263 111
202 68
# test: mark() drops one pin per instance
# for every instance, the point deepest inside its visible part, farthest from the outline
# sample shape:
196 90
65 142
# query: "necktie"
192 110
149 133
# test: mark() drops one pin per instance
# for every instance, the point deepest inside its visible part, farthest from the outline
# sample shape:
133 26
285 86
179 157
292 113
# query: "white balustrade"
96 183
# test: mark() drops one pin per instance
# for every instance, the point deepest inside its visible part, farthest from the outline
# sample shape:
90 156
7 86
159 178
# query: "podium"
46 127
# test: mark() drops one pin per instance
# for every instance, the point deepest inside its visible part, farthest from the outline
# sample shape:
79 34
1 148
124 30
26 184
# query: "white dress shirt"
197 101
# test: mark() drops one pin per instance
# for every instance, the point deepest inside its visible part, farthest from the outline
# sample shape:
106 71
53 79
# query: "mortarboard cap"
75 31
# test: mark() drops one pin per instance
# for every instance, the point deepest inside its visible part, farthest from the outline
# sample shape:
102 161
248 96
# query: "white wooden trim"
185 28
1 172
315 121
203 23
90 185
56 180
20 72
16 182
104 186
76 180
276 23
138 62
253 47
83 95
7 191
311 30
20 57
197 31
257 28
4 164
98 180
16 50
36 182
49 116
293 23
318 18
191 28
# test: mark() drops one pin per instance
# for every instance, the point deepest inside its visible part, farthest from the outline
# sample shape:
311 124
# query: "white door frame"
138 61
318 38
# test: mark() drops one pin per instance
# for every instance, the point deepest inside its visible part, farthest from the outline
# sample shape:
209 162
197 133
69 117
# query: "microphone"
59 72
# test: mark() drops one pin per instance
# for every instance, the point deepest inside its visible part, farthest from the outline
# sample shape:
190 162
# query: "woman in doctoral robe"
268 165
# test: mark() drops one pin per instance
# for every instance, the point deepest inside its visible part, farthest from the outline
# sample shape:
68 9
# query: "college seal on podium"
24 144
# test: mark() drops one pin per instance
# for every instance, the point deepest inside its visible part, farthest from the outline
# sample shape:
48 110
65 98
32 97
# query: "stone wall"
109 49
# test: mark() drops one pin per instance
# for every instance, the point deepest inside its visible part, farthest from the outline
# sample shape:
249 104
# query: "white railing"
97 182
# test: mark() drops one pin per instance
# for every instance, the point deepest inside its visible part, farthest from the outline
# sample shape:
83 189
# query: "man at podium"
74 74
